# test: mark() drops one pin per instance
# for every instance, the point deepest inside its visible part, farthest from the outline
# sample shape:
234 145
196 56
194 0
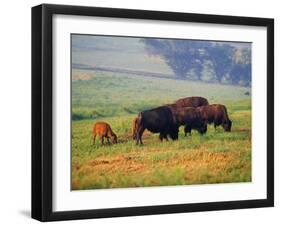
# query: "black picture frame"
42 106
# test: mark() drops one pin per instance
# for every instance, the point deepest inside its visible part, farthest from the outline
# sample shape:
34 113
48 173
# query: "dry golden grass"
168 163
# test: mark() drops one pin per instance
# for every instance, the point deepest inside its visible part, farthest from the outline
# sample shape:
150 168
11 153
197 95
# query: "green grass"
105 94
216 157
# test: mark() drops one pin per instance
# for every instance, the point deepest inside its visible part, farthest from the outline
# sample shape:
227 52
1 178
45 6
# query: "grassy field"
217 157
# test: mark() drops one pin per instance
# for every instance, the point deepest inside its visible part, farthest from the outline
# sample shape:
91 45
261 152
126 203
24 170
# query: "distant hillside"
123 71
117 52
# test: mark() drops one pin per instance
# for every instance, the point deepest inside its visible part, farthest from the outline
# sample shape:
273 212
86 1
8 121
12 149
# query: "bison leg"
216 125
187 129
139 135
161 136
94 139
174 134
102 140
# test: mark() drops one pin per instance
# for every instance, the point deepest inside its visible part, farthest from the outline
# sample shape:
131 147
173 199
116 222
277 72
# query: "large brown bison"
157 120
188 117
103 130
217 114
192 102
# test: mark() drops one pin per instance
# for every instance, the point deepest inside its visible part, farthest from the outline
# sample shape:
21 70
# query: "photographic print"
159 112
139 112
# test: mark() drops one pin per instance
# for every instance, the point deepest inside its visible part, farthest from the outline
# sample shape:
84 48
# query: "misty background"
196 60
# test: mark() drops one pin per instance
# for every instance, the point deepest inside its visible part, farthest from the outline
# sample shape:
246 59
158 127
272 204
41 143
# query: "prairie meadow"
116 98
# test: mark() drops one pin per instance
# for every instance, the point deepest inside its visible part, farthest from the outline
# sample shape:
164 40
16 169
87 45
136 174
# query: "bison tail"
139 118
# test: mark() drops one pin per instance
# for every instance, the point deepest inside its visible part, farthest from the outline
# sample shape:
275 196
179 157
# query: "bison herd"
190 112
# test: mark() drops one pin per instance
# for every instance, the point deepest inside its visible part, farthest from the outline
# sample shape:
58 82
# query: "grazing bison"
192 102
103 130
190 118
157 120
217 114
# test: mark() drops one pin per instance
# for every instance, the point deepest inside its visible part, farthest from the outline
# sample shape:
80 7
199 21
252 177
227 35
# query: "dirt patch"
129 137
119 163
81 76
241 130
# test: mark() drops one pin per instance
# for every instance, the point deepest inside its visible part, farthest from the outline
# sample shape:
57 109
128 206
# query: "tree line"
207 61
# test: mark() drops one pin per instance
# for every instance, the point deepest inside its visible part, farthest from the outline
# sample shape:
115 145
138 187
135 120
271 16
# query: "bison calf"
217 114
103 130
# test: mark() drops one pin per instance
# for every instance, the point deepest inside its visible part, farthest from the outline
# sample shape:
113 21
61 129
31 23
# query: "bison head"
227 125
113 139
